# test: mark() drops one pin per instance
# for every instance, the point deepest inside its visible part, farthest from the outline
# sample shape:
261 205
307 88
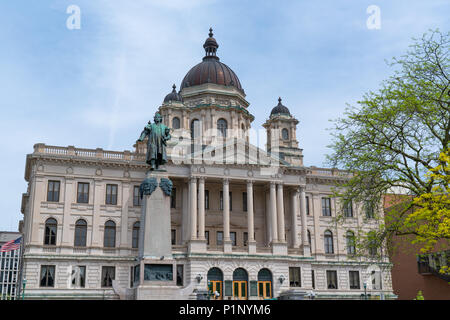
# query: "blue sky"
97 86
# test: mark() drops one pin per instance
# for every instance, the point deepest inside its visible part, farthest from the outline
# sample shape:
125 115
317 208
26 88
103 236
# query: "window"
244 201
207 199
180 273
332 279
350 237
47 276
195 129
221 201
173 198
135 235
111 194
134 275
368 206
78 276
108 275
372 243
354 279
80 233
326 206
309 238
313 278
307 205
348 209
50 232
245 239
294 277
376 280
176 123
222 128
328 242
173 235
136 196
233 238
285 134
53 191
109 236
207 237
83 192
219 240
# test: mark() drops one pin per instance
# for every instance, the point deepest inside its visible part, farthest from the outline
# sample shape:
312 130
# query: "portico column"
273 211
201 208
193 206
305 243
226 210
250 222
294 212
280 211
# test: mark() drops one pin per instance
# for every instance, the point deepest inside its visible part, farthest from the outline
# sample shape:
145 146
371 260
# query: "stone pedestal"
252 247
279 248
158 274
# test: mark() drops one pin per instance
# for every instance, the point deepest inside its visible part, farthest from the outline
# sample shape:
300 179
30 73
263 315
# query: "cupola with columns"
281 130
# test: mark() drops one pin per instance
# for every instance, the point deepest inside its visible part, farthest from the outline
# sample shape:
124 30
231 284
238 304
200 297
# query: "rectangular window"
307 205
134 275
219 239
78 276
207 199
244 201
245 239
180 274
53 191
354 279
136 196
111 194
348 209
173 198
47 276
368 206
174 236
376 280
313 279
332 279
207 237
233 238
83 192
231 202
294 277
108 275
326 207
221 201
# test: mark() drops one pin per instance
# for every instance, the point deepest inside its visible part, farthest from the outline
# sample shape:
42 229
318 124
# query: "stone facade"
234 207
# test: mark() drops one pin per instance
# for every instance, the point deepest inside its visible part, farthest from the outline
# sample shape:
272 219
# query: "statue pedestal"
158 274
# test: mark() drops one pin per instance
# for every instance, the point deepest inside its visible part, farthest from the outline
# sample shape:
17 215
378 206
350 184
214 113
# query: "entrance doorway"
264 284
215 281
240 287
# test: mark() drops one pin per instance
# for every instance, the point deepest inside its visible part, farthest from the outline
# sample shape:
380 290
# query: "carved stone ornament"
147 187
166 186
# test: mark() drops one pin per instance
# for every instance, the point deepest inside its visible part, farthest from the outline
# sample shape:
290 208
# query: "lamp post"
24 282
365 292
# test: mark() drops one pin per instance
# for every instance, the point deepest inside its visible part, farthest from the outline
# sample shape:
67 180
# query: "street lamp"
365 292
24 282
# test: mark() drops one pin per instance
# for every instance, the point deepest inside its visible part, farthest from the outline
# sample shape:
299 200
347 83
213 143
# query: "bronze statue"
158 134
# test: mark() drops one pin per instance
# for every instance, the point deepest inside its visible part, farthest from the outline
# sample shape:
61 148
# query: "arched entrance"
264 284
240 281
215 281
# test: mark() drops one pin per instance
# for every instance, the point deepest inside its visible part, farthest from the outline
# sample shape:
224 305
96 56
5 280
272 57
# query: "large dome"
211 70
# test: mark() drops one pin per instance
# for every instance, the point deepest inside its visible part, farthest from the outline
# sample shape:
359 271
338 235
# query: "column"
226 210
273 212
280 212
294 213
67 235
185 223
201 208
250 219
305 243
193 207
124 218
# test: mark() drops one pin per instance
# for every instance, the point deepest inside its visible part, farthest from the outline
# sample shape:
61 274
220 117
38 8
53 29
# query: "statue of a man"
158 134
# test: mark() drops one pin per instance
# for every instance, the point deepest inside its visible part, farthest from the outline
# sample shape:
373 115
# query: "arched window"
80 233
285 134
109 239
195 128
242 131
51 226
328 242
215 280
135 237
309 238
176 123
222 126
350 237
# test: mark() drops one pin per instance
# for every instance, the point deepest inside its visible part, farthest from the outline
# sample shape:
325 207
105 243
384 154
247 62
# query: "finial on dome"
210 46
279 100
210 32
174 87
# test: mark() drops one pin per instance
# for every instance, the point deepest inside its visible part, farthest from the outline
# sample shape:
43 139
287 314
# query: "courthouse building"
250 223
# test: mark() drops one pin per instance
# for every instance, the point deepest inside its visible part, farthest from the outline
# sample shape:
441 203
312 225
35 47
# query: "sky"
96 86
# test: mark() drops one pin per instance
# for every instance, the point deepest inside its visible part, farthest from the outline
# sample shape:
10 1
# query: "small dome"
280 109
173 96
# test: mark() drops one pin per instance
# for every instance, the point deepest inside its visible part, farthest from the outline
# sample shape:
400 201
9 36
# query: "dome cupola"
174 96
280 109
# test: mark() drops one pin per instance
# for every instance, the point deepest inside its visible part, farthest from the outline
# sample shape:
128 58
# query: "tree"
395 135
